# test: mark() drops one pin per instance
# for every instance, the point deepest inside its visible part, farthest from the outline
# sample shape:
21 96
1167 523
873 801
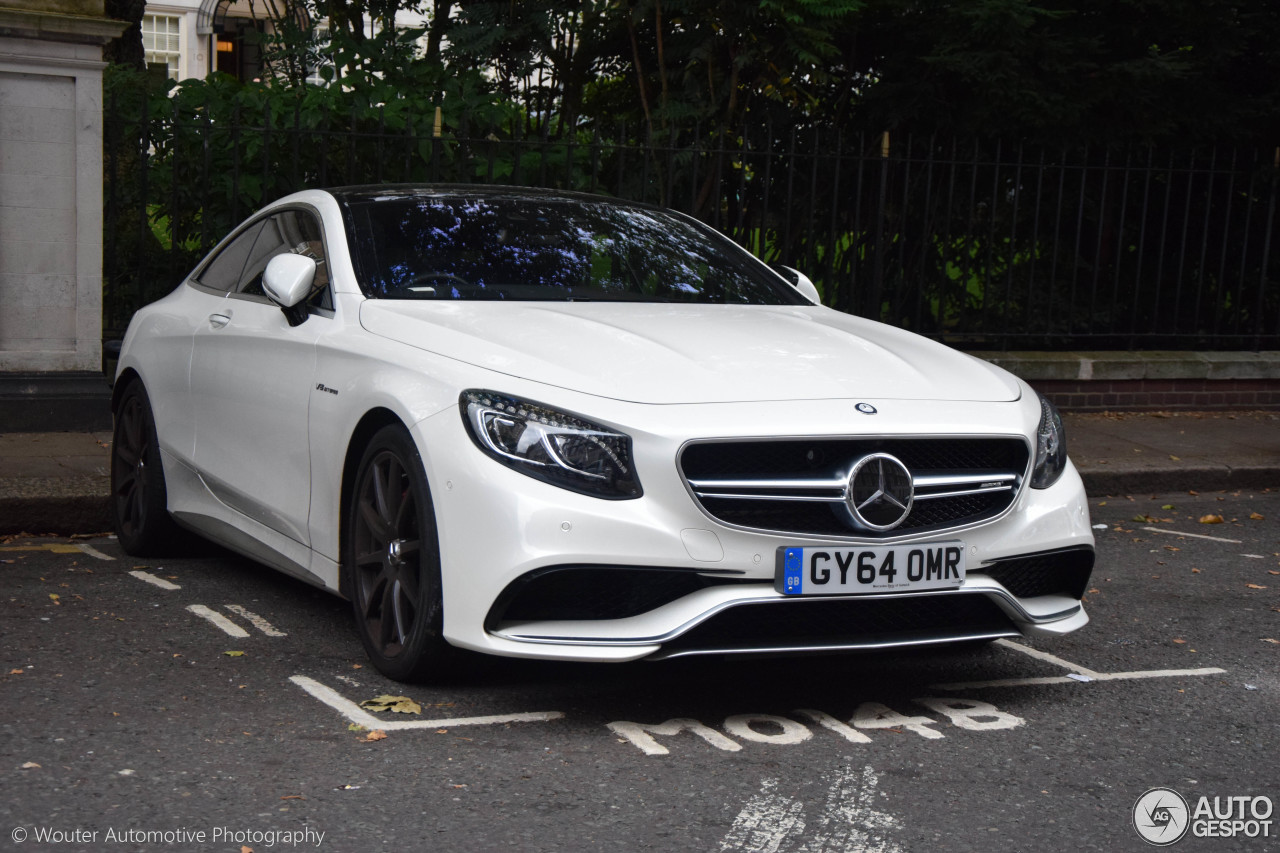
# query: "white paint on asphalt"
153 580
95 553
1046 657
355 714
849 820
255 620
1075 673
223 623
747 727
829 722
766 822
873 715
1191 535
641 734
971 715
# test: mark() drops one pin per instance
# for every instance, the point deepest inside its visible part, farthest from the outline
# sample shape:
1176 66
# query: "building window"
161 43
319 56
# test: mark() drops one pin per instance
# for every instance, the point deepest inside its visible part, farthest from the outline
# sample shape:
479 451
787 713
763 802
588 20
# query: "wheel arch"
123 381
369 424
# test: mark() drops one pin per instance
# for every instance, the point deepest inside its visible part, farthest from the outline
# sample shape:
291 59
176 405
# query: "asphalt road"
126 725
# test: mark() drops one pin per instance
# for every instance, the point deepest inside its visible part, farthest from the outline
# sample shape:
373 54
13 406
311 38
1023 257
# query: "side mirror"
287 281
799 281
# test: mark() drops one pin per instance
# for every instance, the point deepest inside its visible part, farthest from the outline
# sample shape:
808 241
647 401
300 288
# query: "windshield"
557 250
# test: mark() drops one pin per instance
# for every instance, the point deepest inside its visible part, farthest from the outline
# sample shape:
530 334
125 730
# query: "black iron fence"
981 245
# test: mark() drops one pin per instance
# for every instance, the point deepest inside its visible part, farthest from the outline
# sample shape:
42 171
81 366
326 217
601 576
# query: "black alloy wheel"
138 495
392 561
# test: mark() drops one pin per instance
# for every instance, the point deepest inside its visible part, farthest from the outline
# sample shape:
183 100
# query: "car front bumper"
498 527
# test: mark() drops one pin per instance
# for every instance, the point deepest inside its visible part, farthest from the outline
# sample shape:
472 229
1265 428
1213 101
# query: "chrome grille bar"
927 486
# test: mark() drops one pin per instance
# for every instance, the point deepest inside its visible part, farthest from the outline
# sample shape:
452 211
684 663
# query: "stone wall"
51 184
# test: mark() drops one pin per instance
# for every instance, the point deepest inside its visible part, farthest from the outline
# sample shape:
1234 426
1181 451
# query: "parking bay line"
147 577
257 621
361 717
1077 670
222 622
1192 535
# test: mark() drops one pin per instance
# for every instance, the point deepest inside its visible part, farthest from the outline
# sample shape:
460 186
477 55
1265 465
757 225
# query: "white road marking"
1097 676
827 721
153 580
257 621
361 717
1192 535
95 553
1046 657
741 725
641 734
765 822
1254 556
848 823
222 622
1078 674
873 715
971 714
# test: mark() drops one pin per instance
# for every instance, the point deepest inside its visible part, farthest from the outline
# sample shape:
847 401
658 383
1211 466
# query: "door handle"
217 321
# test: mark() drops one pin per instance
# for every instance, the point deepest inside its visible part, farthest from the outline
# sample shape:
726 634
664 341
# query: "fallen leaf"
1257 516
1272 640
1180 641
1272 573
1195 571
234 654
397 704
1211 519
1144 519
1094 591
1174 458
1171 548
16 671
1192 492
1168 506
377 734
355 727
1255 586
30 765
53 596
293 797
244 848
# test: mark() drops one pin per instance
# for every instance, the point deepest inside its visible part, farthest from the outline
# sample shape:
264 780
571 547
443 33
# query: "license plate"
884 568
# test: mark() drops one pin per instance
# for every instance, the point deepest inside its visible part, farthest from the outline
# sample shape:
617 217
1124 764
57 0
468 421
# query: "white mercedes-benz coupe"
550 425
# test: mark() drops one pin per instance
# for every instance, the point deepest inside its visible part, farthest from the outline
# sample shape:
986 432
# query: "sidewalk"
57 482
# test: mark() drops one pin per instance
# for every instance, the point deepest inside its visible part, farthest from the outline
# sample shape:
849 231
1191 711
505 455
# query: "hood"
668 353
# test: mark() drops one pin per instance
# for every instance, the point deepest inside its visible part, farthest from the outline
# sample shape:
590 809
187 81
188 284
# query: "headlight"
556 447
1051 447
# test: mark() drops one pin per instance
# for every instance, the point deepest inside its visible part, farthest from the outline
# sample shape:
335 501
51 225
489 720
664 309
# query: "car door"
251 380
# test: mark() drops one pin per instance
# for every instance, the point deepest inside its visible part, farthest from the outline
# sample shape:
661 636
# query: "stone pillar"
51 183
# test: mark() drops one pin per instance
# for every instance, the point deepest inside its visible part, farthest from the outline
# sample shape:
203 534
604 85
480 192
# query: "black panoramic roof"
370 192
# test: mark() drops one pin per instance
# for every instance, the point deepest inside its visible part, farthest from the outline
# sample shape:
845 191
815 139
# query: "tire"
139 499
391 562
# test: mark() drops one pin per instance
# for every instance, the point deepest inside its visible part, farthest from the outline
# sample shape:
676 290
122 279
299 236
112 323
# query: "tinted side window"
293 231
223 272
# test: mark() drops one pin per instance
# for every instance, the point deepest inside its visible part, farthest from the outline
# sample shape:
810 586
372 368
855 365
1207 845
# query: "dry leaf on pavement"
377 734
387 702
1257 516
1211 518
1255 586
